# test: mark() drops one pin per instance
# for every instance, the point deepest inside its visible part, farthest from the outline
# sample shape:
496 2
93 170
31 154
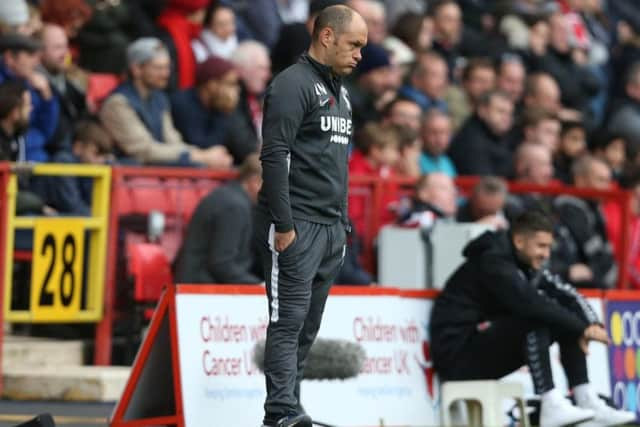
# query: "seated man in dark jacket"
201 114
584 255
217 246
502 309
481 146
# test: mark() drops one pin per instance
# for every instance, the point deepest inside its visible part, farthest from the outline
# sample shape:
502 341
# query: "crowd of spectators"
543 92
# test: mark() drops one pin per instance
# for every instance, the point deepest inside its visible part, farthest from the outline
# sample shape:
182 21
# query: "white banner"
216 335
392 389
222 386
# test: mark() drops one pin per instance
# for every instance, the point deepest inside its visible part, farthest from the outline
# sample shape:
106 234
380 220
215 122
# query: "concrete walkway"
44 369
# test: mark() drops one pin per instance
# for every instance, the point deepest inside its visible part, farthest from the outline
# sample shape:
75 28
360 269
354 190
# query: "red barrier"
5 172
369 189
134 191
466 183
139 190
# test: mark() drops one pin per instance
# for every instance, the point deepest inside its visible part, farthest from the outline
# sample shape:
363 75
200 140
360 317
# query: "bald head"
439 190
511 78
337 18
533 164
254 65
374 14
542 91
339 33
591 172
55 48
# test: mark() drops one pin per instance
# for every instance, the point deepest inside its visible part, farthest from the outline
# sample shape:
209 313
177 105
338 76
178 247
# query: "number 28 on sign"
56 277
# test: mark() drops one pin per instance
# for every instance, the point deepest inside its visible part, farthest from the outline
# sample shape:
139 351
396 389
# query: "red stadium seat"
99 86
150 194
188 201
124 200
171 241
150 270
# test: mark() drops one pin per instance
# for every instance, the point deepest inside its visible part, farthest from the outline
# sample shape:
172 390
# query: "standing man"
302 221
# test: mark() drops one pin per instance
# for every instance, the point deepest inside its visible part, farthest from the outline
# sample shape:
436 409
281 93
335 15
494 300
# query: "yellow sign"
56 275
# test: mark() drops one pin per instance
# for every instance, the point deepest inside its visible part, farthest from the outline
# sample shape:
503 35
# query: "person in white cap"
14 16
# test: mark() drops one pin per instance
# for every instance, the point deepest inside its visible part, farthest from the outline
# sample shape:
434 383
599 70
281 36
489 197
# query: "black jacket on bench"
493 283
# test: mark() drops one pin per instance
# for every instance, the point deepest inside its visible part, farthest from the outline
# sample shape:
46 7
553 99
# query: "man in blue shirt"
201 113
428 82
20 58
436 136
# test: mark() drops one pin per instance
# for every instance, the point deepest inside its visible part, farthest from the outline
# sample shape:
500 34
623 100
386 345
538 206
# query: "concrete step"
67 383
20 351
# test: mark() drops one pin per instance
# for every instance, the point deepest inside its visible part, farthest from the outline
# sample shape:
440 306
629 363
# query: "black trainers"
301 420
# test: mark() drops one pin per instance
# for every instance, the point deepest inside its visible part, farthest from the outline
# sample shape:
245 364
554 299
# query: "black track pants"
297 283
507 344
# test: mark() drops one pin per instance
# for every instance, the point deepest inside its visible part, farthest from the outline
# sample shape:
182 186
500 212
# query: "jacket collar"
529 272
487 130
236 185
323 70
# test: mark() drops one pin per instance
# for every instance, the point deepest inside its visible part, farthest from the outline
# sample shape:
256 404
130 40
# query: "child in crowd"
573 143
408 164
92 145
377 151
376 155
612 148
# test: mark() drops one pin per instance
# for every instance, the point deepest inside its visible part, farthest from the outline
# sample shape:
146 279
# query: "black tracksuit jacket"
492 283
306 132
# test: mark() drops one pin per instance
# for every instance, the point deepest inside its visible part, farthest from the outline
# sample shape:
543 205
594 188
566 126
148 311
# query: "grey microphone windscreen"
42 420
328 359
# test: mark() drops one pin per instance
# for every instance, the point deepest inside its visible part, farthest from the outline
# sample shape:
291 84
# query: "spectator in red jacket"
377 154
613 215
182 22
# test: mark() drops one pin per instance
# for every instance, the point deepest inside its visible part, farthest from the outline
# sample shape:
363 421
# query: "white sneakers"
608 416
556 411
591 411
605 415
